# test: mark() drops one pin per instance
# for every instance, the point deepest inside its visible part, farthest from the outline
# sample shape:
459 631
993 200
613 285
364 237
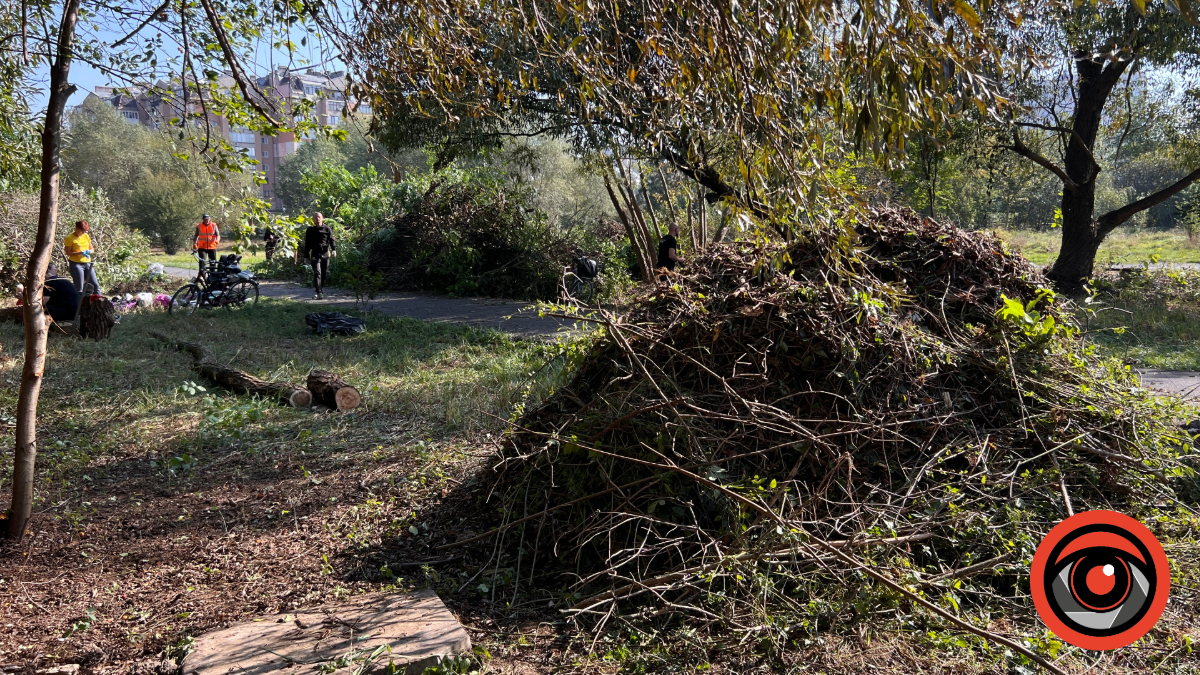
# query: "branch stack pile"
857 387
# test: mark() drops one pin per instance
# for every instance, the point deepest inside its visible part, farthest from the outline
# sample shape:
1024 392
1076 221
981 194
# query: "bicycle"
577 288
222 284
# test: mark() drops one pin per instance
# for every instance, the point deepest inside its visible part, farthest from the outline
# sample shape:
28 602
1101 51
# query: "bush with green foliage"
120 254
353 153
358 201
472 233
166 207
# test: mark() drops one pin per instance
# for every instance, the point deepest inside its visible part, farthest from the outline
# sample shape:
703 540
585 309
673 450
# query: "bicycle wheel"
242 293
185 301
582 290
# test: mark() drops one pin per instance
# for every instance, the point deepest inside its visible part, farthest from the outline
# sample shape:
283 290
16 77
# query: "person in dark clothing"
59 296
271 240
668 253
319 247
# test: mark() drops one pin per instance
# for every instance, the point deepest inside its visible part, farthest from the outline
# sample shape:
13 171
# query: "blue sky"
86 78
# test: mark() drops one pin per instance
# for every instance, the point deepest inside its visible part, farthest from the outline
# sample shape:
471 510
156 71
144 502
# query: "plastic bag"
336 323
155 269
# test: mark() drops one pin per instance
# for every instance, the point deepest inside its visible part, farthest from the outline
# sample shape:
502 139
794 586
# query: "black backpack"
586 268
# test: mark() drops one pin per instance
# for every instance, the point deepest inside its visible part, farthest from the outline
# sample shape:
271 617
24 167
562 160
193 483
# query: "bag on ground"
336 323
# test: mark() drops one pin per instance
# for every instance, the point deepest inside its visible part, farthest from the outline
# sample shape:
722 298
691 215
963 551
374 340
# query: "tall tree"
1101 43
753 100
210 34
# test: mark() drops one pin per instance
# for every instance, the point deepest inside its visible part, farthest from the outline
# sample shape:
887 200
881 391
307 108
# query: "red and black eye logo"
1100 580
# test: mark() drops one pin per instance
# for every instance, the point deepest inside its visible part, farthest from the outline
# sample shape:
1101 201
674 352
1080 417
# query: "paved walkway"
1183 383
515 317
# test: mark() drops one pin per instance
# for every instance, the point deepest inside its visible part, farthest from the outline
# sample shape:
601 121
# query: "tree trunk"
332 391
634 240
1081 238
658 233
25 452
238 381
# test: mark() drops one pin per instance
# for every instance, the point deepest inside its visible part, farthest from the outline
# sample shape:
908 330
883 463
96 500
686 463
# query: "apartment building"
326 90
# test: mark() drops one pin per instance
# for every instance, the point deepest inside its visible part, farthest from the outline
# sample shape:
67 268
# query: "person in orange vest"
205 240
78 247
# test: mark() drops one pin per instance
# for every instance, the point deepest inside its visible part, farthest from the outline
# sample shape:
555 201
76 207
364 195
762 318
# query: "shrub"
166 208
472 236
120 253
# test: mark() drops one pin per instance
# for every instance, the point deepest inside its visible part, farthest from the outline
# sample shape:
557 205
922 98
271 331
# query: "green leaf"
1012 309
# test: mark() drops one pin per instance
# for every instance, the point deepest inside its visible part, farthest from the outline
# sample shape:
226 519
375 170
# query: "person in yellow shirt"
78 247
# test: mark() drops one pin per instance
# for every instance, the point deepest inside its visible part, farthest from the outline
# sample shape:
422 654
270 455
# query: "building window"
266 194
333 120
264 140
249 152
334 106
266 152
364 109
130 116
310 90
241 135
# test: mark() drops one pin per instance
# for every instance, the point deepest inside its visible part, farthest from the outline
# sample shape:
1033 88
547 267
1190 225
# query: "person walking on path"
668 253
271 240
60 298
319 246
78 247
205 240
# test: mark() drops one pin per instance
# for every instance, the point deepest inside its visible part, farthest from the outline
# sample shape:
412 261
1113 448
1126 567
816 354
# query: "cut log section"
238 381
332 391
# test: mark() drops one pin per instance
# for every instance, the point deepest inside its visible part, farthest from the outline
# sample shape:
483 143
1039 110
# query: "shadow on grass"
162 513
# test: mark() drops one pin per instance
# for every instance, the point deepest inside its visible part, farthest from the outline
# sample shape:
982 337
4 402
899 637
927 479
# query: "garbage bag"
155 269
145 300
335 322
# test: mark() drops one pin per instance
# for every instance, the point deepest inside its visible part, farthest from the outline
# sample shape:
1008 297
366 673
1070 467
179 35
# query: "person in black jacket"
668 253
60 298
318 247
271 240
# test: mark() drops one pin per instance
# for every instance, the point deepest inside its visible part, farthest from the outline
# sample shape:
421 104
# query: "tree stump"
238 381
332 391
97 316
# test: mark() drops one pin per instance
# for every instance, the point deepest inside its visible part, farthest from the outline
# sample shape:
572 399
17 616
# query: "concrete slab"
1182 383
412 631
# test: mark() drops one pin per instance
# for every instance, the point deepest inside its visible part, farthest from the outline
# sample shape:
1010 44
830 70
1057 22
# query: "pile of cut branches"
899 400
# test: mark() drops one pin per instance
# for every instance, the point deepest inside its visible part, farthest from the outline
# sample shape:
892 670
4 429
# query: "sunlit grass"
1150 320
183 257
1122 246
439 379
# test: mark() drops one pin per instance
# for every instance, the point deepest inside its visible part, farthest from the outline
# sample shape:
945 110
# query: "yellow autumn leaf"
966 13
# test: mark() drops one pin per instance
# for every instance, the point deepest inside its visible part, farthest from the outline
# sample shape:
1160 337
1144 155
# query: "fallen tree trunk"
238 381
330 390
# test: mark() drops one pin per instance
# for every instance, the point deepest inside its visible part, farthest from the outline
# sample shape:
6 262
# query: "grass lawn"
1122 246
165 511
1149 319
183 258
